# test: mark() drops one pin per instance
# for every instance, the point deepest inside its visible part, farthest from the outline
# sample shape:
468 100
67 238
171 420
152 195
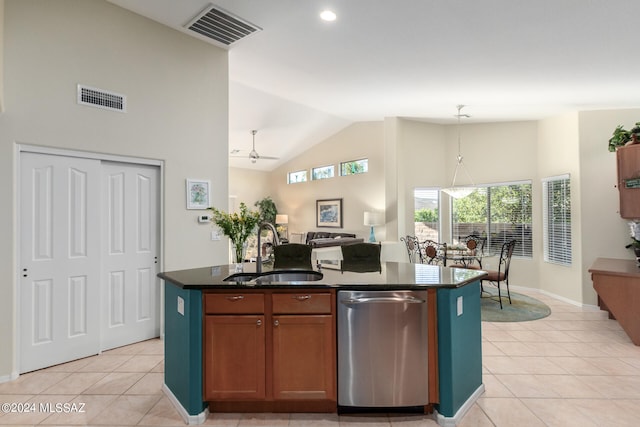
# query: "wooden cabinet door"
304 357
234 352
629 168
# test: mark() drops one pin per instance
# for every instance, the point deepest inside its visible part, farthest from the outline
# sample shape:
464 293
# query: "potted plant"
635 133
267 209
622 137
619 138
635 239
238 227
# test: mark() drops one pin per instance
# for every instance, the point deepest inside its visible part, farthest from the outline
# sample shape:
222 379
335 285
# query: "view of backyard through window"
497 213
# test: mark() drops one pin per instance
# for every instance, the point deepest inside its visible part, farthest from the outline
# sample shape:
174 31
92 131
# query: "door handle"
24 273
235 298
397 300
301 297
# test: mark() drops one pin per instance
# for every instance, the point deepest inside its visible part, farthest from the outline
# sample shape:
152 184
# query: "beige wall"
558 147
1 56
360 193
176 88
604 233
249 186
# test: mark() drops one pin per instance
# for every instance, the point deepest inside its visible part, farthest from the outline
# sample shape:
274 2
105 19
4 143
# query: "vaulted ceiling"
301 79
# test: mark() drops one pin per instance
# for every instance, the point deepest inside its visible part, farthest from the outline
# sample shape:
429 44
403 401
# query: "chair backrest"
474 243
505 257
292 255
361 257
432 251
413 248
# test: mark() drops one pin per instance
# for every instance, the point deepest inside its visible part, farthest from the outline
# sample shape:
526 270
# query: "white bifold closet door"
60 259
130 291
88 257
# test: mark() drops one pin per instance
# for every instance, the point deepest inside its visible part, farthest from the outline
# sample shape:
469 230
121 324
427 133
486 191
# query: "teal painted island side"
458 328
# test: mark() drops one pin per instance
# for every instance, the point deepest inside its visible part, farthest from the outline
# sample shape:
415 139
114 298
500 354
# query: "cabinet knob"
301 297
276 322
236 298
259 322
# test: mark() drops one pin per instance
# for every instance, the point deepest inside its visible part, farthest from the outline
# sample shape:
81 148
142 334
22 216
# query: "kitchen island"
199 301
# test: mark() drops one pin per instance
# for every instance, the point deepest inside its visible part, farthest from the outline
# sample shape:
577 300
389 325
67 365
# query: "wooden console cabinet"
628 159
270 350
617 283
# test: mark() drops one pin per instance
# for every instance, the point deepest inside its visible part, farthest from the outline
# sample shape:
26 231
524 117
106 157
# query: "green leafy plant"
267 209
621 136
238 227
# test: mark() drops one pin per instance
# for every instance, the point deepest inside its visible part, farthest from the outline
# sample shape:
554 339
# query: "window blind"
498 212
556 219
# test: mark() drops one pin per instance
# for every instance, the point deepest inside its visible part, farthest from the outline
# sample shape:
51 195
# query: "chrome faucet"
276 242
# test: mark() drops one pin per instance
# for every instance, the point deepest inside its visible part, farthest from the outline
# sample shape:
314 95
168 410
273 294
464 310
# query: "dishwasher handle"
374 300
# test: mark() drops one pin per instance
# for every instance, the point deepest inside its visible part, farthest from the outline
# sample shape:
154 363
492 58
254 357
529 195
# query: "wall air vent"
101 99
221 26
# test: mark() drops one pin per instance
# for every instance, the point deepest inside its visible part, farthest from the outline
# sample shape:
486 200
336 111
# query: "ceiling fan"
253 155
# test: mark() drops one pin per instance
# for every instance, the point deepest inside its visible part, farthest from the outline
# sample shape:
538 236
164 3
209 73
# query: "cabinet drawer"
241 303
301 302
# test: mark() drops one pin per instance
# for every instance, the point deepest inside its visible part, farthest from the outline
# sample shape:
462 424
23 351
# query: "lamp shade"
282 219
372 218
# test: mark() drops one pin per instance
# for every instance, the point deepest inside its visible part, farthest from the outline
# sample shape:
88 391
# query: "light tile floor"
573 368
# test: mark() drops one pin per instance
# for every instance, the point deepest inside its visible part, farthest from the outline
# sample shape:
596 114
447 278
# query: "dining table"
460 255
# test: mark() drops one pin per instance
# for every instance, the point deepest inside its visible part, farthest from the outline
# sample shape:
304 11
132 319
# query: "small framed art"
329 213
198 191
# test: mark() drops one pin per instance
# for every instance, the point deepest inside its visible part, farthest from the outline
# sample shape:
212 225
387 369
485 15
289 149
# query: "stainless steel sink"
276 276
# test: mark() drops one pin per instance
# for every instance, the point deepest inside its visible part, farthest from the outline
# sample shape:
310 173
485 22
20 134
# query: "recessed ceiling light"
328 15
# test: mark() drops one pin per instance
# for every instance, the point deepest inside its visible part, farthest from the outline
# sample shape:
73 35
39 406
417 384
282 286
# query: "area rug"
522 308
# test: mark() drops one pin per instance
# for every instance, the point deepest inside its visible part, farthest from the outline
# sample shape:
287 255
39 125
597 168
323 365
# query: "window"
353 167
322 172
426 216
499 213
293 177
556 219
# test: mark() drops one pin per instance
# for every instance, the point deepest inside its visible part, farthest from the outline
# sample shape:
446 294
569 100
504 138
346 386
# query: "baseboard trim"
8 378
457 418
186 417
558 297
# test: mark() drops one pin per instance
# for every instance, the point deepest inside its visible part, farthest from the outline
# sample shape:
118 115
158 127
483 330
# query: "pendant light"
460 191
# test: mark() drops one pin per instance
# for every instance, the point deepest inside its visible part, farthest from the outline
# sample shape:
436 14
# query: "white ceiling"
301 80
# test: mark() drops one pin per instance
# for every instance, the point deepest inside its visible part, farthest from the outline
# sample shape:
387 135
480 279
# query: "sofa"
322 239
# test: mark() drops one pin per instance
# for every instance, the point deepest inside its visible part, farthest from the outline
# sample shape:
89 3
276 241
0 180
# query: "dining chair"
361 257
502 273
475 244
432 252
292 255
413 248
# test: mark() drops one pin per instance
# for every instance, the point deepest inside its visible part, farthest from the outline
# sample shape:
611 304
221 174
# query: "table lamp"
372 219
283 220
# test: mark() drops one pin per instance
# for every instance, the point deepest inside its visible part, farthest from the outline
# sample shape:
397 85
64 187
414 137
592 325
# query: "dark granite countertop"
393 276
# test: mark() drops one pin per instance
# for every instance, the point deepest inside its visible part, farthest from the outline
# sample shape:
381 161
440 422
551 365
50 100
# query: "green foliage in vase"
238 227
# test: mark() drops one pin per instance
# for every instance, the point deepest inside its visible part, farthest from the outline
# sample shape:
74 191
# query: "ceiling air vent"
101 99
221 26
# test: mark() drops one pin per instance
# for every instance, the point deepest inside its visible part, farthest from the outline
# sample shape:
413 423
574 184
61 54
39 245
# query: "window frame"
341 167
333 172
524 249
306 176
561 252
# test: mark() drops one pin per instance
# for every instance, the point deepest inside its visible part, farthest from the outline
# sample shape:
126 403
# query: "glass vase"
240 250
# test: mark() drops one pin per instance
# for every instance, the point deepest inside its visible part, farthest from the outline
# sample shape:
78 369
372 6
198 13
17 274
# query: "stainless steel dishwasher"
382 348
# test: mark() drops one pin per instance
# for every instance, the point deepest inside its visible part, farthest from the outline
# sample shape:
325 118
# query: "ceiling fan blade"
253 154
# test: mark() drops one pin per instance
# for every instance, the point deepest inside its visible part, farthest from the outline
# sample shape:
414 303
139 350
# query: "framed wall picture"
329 213
198 193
